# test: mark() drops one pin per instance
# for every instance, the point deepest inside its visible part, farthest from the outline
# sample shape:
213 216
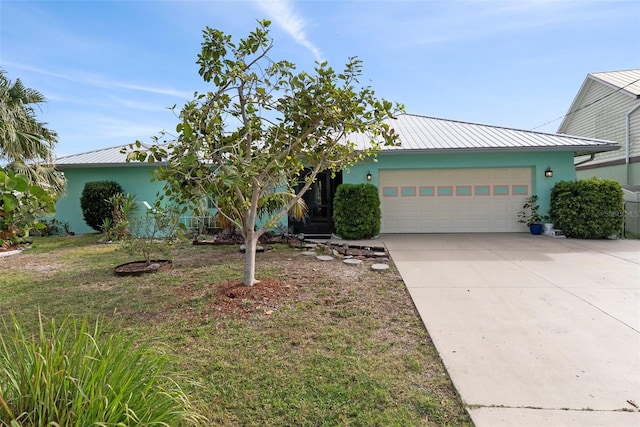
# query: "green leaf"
10 202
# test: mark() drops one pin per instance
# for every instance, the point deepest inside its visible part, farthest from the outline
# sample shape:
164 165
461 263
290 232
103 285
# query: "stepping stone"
352 261
382 259
325 258
348 256
380 267
380 254
309 253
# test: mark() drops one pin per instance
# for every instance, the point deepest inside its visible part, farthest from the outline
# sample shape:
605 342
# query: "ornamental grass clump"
74 374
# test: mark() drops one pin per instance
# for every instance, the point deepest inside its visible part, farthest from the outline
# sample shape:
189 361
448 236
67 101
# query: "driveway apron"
534 330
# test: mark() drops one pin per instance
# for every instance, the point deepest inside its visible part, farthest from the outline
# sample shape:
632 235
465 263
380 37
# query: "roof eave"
107 165
575 149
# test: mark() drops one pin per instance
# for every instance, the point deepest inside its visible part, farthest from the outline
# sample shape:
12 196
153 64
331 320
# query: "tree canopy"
245 143
26 144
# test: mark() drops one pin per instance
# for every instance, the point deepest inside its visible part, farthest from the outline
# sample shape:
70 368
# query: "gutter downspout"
628 141
591 157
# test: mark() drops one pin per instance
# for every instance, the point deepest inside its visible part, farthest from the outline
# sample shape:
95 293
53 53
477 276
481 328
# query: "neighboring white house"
607 107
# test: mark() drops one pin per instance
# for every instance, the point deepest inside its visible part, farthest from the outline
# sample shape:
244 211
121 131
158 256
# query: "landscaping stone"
382 259
259 248
352 261
325 258
380 267
309 253
380 254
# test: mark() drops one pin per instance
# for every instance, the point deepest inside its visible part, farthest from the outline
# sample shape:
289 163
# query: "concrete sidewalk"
534 331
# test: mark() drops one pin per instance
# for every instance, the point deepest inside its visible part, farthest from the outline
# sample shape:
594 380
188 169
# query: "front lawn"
316 343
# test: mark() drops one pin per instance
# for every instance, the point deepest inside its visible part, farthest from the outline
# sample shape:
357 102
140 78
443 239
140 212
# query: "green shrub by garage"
588 208
356 211
94 202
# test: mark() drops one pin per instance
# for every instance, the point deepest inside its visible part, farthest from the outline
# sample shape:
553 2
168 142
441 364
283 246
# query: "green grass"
344 346
72 374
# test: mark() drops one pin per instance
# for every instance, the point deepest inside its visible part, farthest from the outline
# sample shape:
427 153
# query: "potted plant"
529 215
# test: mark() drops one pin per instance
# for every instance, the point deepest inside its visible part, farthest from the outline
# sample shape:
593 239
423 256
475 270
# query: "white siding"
635 132
601 113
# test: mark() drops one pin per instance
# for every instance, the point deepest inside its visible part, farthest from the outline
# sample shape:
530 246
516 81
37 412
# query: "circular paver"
380 267
380 254
352 261
325 258
309 253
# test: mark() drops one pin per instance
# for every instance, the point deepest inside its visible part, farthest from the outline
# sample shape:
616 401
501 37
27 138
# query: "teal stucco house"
99 165
447 176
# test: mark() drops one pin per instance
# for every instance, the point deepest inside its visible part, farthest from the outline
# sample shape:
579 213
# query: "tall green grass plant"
74 374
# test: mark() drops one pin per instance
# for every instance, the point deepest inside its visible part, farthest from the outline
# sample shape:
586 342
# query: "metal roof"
429 134
416 133
105 157
627 80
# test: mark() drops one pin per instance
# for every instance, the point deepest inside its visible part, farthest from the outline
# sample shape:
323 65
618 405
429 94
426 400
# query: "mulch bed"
267 296
137 268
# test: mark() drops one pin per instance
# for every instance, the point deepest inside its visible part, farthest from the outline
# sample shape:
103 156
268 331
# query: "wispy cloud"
101 82
282 13
441 23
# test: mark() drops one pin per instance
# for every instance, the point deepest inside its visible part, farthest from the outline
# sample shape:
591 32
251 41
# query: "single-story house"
100 165
447 176
607 106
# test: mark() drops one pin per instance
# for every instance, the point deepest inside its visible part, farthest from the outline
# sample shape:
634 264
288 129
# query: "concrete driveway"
534 331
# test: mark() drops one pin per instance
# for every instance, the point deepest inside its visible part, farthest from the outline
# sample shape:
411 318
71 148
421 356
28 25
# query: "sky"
111 70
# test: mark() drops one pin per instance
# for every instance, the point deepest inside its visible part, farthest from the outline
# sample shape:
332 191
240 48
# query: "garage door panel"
453 200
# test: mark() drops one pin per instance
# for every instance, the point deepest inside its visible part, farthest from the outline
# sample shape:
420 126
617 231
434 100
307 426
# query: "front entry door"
319 200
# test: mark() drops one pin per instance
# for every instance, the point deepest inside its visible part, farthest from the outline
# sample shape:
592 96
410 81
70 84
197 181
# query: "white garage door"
453 200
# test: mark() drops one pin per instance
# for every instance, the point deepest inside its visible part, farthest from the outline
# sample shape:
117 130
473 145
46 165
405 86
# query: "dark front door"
319 199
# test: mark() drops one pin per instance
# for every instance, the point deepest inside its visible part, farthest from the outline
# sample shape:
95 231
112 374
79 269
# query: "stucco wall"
560 162
135 180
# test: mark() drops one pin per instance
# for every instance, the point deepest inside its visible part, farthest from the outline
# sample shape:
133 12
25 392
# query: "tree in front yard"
245 143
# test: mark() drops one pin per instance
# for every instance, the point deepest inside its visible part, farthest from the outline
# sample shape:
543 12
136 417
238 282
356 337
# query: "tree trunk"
250 244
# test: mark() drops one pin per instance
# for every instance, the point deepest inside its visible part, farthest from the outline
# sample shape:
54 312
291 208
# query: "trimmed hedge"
94 202
356 211
587 209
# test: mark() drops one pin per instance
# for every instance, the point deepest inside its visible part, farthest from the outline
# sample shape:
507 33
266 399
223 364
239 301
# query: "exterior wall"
607 119
560 162
634 131
135 180
617 173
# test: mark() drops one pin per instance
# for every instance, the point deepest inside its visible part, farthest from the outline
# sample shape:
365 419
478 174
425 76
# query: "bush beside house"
587 209
356 211
95 203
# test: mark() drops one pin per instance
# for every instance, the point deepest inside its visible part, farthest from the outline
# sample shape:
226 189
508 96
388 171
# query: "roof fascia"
106 165
574 148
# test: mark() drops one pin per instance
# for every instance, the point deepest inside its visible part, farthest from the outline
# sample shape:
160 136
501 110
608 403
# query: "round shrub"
588 208
94 202
356 211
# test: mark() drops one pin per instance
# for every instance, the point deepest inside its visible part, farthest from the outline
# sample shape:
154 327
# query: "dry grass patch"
315 343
